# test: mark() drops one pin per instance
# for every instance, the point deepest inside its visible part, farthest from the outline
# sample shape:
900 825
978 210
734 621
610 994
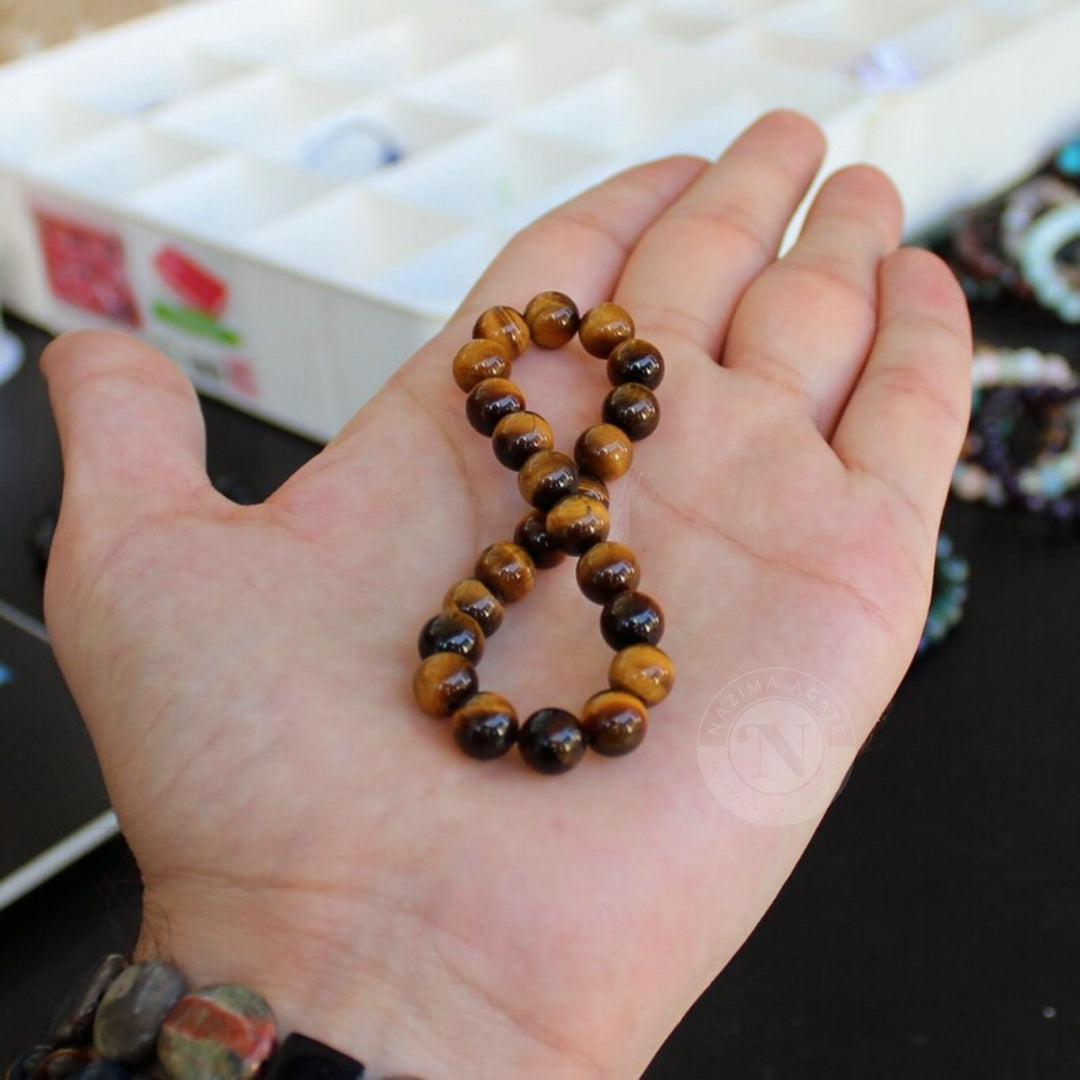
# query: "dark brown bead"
603 327
547 477
551 741
505 325
478 602
478 360
606 570
531 534
636 361
302 1058
443 681
631 618
485 726
489 401
552 318
60 1064
520 435
603 450
644 671
594 487
507 570
614 722
452 631
577 522
75 1024
633 408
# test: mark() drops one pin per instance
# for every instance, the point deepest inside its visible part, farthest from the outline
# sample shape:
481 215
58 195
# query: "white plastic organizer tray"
289 197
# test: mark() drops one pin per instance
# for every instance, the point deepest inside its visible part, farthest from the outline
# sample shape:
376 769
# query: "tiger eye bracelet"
569 516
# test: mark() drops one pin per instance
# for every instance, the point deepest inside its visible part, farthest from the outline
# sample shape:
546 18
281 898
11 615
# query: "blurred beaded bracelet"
951 573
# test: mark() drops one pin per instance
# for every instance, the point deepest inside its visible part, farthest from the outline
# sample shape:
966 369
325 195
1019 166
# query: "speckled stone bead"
594 488
505 325
130 1013
74 1025
489 401
26 1065
302 1058
644 671
507 570
603 450
614 722
547 477
631 618
452 631
636 361
553 319
485 726
66 1062
633 408
520 435
478 360
551 741
225 1031
531 534
478 602
576 523
443 681
603 327
606 570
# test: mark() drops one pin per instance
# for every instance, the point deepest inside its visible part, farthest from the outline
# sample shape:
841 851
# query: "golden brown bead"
603 327
547 477
644 671
443 681
485 726
531 534
603 450
633 408
606 570
520 435
452 631
636 361
577 522
594 487
614 722
552 318
505 325
507 570
478 360
478 602
630 618
489 401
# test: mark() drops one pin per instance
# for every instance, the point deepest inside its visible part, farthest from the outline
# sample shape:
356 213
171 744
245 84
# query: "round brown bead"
551 741
631 618
478 602
531 534
644 671
594 488
507 570
552 318
489 401
443 681
478 360
633 408
576 523
603 450
547 477
452 631
614 722
485 726
520 435
505 325
603 327
606 570
636 361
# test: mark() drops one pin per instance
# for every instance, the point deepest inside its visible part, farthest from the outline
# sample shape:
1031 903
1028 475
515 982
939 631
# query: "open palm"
245 671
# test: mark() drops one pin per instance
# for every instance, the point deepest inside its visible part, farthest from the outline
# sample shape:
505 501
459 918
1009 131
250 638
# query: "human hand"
245 672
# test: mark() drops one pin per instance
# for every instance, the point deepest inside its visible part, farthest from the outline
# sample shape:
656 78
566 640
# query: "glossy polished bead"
603 327
520 435
594 488
553 319
504 325
443 681
478 602
225 1031
531 534
576 523
636 361
603 450
614 722
303 1058
644 671
547 477
606 570
485 727
489 401
507 570
478 360
454 632
75 1023
551 741
633 408
631 618
130 1013
66 1062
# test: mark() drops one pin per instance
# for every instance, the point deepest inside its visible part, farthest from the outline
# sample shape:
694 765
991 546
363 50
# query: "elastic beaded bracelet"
951 572
1056 285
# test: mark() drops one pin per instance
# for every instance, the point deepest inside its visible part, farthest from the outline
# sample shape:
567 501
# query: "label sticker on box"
198 298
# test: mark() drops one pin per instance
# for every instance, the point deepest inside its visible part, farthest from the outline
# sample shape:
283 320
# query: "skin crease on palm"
246 671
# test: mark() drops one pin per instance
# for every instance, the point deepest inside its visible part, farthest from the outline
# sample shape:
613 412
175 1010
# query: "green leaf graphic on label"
196 322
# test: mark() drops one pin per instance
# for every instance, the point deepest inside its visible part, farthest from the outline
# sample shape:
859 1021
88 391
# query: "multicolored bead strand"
951 572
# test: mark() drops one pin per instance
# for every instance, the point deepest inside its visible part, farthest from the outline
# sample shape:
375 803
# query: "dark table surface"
933 927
